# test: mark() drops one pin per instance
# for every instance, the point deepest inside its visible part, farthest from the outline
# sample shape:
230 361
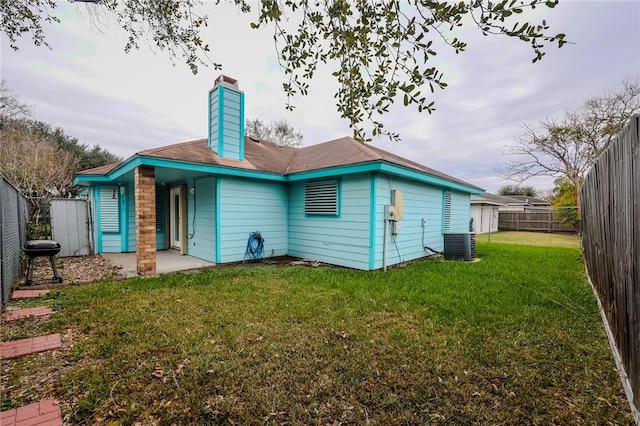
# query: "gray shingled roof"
511 200
532 201
268 157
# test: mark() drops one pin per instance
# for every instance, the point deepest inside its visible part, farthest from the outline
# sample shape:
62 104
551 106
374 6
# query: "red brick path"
24 294
44 413
32 345
17 314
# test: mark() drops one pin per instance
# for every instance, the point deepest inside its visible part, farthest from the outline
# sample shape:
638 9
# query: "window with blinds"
321 198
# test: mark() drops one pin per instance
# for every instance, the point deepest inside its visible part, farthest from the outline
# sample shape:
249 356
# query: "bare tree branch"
11 108
279 132
568 146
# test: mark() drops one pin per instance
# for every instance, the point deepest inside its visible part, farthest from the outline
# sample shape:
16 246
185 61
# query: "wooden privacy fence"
539 220
611 243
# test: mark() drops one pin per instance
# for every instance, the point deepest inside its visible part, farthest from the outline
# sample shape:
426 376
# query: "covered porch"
167 261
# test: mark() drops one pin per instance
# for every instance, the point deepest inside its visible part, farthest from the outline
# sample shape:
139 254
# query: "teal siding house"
339 202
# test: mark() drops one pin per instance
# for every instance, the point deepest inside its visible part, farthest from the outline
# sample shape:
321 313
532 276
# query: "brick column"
145 192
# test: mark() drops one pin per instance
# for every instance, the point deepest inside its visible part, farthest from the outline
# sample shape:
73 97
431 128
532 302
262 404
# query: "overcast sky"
129 102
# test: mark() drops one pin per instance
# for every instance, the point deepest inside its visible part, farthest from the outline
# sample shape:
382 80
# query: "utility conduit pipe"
384 245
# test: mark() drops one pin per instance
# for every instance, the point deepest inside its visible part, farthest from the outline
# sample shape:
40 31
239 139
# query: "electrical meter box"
396 200
390 213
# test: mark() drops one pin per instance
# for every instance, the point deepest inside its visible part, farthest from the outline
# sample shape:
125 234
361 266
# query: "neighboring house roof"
511 200
531 201
264 156
496 200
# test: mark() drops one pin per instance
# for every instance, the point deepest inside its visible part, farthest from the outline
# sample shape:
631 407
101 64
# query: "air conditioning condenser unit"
460 246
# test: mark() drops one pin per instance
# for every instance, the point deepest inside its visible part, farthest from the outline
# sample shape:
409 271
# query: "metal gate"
70 226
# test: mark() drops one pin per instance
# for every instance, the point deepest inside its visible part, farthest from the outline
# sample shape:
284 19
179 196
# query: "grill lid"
41 248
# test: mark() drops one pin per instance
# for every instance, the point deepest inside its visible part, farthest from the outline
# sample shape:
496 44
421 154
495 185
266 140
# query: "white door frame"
175 218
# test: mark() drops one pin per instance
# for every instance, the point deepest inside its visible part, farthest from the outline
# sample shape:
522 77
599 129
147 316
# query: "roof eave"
139 160
377 165
384 166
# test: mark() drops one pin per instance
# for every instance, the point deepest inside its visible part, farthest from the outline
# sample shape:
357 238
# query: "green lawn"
532 239
514 338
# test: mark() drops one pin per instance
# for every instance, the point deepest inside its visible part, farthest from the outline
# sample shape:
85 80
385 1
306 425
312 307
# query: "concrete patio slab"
43 413
32 345
17 314
167 261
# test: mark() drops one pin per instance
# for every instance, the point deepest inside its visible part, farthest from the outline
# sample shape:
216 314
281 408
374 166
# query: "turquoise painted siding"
124 228
111 243
231 124
248 205
131 218
419 201
226 122
460 211
214 118
201 231
95 206
339 240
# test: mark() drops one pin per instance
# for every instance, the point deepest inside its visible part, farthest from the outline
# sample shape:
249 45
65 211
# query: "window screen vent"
159 215
447 211
321 197
109 211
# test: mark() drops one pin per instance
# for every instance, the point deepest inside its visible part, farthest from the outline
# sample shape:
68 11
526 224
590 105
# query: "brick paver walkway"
32 345
17 314
44 413
25 294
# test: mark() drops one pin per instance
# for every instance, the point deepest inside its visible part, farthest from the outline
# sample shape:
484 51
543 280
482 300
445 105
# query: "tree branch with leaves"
378 51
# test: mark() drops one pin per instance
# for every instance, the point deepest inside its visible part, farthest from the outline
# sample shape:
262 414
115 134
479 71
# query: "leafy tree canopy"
279 132
38 158
87 156
33 162
564 193
564 202
507 190
380 51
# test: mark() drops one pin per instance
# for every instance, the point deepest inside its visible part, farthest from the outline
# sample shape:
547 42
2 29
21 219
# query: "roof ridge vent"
226 81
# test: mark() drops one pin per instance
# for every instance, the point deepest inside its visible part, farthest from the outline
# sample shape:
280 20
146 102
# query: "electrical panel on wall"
395 228
396 200
390 213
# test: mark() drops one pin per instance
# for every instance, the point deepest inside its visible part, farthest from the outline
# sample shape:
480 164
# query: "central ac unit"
460 246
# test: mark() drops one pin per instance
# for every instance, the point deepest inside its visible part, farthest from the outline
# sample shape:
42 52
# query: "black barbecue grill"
44 248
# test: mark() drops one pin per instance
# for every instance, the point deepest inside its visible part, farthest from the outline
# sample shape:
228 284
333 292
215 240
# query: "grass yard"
532 239
515 338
